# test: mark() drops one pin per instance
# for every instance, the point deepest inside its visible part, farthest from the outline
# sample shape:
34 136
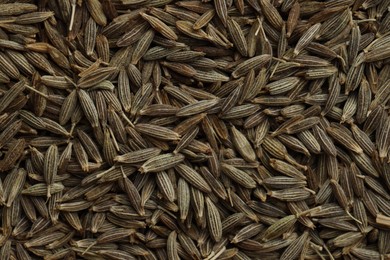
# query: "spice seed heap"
213 129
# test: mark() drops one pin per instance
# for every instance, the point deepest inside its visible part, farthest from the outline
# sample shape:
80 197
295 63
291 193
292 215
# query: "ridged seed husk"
161 162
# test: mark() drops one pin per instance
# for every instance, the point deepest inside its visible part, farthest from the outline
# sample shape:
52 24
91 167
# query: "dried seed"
343 138
160 26
193 178
161 162
306 38
271 14
213 220
243 146
237 36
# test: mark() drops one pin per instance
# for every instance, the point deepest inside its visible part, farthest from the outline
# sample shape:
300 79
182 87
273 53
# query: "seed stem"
73 3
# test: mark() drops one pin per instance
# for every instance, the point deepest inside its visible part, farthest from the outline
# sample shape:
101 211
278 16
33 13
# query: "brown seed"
272 142
44 240
279 227
161 162
142 46
292 19
165 185
325 141
286 169
17 8
198 107
189 246
290 195
238 176
96 10
271 14
157 132
213 220
237 37
193 178
343 138
89 108
160 26
50 166
9 132
133 35
296 247
11 94
14 186
172 246
243 146
13 155
206 17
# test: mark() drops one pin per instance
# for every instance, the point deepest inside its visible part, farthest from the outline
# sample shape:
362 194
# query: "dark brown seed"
163 129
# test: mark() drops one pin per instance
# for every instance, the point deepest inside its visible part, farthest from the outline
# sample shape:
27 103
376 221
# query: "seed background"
214 129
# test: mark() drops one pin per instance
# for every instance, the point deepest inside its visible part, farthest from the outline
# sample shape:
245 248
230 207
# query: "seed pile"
224 129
